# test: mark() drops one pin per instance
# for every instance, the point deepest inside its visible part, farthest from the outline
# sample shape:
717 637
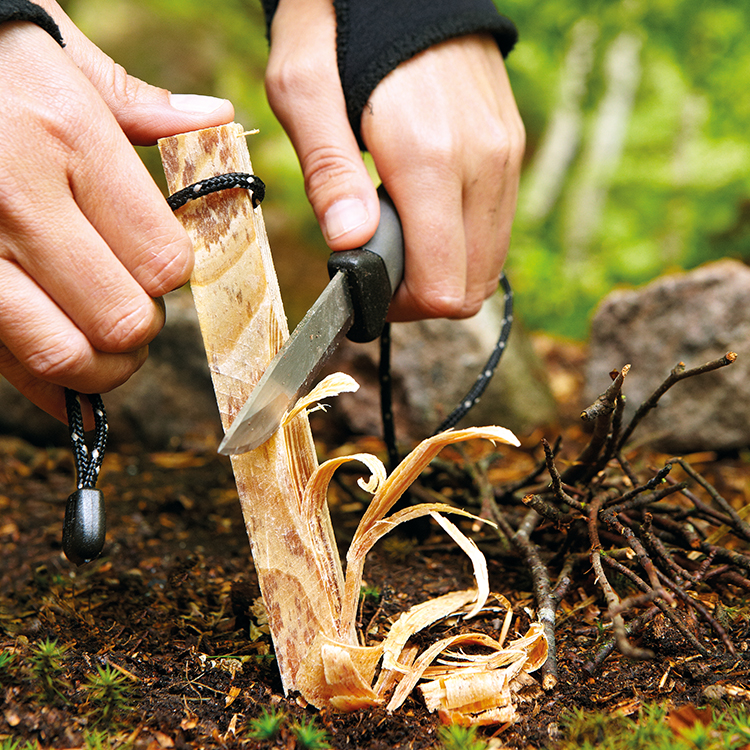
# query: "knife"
354 304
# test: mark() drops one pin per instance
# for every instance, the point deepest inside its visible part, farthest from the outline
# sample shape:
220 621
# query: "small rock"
691 317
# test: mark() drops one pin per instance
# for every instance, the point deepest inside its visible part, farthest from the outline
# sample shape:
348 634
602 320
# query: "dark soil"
170 606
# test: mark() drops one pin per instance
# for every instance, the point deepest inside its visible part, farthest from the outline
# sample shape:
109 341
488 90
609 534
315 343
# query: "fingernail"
195 103
343 217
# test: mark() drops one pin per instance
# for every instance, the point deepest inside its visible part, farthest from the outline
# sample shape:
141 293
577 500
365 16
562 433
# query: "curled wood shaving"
465 687
331 385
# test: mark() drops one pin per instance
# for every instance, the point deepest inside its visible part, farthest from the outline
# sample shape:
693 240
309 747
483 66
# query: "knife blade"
354 304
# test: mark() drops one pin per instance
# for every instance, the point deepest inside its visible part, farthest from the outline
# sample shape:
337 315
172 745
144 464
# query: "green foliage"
267 726
673 194
108 692
96 739
11 744
309 736
7 664
47 668
455 737
590 730
368 591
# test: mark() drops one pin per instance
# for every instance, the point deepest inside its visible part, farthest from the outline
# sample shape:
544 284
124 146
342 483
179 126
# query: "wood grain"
243 325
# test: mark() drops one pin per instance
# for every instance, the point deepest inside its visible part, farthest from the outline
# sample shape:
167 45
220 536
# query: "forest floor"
161 642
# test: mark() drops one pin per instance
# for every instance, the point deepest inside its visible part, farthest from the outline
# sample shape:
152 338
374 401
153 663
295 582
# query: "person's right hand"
87 241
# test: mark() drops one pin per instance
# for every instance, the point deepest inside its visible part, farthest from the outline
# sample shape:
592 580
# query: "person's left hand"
447 141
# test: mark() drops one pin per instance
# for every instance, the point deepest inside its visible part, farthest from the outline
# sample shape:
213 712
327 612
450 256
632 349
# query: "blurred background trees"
637 117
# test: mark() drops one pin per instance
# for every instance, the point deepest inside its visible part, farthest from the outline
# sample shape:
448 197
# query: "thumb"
304 90
144 112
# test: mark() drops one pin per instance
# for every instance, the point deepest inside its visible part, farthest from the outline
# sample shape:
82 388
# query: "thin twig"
586 465
613 601
547 606
659 548
636 502
678 373
634 627
614 434
557 484
666 610
508 489
739 524
610 518
657 479
549 511
701 610
627 468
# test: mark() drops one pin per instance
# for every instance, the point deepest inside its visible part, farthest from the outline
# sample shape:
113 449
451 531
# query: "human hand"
447 141
87 241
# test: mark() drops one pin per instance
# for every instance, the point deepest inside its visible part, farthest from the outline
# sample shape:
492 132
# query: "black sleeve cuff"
269 9
375 36
23 10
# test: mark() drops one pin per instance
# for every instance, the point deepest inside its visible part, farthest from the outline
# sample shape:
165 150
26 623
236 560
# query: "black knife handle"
373 272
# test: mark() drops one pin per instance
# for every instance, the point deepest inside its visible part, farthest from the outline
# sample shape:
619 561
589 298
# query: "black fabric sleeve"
375 36
23 10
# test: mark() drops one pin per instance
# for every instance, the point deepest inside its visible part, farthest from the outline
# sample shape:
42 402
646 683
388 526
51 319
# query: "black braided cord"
386 398
481 383
471 398
228 181
88 463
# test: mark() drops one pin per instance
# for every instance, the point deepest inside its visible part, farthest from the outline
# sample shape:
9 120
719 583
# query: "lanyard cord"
471 398
87 464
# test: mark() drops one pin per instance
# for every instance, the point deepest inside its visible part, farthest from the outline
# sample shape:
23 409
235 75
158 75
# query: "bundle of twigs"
660 534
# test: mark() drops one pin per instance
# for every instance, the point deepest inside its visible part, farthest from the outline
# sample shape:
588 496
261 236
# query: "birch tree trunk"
243 325
604 149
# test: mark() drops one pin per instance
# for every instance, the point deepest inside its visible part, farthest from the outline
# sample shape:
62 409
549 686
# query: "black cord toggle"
250 182
84 528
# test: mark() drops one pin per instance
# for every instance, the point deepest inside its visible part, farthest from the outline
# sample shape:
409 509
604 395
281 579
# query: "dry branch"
678 373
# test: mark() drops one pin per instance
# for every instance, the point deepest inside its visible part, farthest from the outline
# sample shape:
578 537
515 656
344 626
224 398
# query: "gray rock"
691 317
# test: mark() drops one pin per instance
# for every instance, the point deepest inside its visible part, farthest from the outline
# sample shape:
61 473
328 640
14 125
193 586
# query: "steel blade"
293 371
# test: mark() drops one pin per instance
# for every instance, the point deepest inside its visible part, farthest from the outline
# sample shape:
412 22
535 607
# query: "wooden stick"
243 325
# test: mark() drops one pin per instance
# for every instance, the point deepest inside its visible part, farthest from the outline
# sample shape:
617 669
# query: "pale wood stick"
243 325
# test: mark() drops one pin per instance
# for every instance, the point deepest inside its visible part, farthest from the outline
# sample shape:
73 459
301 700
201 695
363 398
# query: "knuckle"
498 149
325 167
171 268
438 151
129 331
290 78
117 86
442 305
56 361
